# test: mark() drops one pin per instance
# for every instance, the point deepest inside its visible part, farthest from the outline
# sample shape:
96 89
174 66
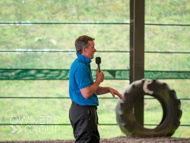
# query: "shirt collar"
83 59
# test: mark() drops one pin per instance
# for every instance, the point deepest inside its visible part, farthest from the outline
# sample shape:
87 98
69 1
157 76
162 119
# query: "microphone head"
98 60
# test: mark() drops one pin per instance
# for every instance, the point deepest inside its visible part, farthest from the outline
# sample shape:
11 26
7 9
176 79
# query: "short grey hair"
81 42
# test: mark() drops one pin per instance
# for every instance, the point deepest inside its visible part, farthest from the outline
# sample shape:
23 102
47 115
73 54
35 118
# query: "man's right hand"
87 92
99 75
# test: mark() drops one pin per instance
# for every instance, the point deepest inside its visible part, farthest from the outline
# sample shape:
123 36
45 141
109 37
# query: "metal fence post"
137 14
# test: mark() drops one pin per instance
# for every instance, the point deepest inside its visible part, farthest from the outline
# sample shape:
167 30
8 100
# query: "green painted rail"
84 23
67 51
68 124
63 74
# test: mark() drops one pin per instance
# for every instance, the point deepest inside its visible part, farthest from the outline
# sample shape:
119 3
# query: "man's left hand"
115 92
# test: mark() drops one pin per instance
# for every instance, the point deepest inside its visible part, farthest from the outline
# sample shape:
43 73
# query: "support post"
137 14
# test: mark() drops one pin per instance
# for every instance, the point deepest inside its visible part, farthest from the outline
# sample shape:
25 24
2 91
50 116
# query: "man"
83 91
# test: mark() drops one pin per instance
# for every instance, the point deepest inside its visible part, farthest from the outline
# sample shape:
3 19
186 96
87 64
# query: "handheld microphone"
98 61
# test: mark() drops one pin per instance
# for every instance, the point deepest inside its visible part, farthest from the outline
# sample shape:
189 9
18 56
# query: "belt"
74 103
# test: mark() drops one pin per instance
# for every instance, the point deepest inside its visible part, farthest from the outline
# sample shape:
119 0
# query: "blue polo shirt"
80 76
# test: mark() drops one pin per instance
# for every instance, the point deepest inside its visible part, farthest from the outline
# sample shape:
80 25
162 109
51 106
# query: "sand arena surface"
128 139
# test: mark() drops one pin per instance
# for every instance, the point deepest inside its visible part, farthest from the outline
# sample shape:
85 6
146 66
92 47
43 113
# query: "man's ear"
83 50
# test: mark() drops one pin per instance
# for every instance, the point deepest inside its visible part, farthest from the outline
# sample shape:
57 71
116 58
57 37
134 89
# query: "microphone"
98 61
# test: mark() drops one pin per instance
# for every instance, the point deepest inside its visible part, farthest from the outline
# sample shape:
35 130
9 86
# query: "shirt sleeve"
82 77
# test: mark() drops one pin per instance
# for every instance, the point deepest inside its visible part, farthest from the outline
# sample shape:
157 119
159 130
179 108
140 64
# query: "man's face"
89 52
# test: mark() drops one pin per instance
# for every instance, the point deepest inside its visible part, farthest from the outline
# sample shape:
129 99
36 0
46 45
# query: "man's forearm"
102 90
89 91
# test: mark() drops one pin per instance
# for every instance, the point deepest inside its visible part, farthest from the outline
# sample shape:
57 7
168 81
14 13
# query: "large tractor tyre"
167 98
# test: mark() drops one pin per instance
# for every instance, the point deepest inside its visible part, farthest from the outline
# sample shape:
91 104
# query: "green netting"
63 74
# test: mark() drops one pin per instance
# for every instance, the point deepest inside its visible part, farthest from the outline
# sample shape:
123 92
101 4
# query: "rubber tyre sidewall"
170 104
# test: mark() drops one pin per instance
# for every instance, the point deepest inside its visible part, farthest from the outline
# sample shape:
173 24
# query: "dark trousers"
84 121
